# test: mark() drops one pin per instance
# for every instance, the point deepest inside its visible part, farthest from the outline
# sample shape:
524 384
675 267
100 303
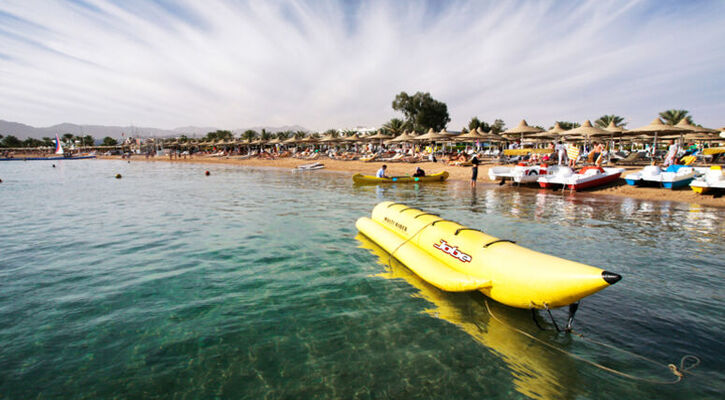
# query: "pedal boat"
675 176
587 177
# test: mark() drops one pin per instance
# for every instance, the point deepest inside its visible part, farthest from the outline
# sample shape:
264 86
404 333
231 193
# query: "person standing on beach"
561 152
474 171
671 153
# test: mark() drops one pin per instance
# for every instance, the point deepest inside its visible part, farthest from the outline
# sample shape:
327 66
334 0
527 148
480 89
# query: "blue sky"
339 64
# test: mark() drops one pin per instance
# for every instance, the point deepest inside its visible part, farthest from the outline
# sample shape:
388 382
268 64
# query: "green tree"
67 137
219 135
32 142
474 124
109 141
300 134
88 140
567 125
672 117
421 111
249 134
283 135
395 126
332 133
498 126
605 120
11 141
266 135
48 141
348 132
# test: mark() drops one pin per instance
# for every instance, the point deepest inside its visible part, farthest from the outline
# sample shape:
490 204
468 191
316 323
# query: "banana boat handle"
453 257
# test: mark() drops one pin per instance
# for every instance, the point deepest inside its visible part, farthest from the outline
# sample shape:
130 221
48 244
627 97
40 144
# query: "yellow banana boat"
368 179
455 258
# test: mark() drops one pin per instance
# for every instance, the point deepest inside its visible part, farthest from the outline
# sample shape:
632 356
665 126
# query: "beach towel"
572 152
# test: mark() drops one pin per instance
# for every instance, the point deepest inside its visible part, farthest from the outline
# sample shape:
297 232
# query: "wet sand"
456 173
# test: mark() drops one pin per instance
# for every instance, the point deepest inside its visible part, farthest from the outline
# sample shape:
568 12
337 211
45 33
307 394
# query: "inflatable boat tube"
453 257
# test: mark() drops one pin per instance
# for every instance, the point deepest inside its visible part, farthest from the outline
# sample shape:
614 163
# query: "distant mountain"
22 131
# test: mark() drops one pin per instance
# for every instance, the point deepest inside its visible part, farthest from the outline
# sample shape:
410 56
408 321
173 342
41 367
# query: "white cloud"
332 64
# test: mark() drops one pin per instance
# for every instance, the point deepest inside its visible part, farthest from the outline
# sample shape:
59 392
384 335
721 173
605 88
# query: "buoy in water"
53 165
207 173
118 176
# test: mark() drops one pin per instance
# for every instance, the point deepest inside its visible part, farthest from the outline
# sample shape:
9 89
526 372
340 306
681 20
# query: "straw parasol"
490 136
470 136
351 138
431 136
614 128
308 139
291 140
274 141
586 129
403 137
522 129
685 124
378 135
657 127
329 139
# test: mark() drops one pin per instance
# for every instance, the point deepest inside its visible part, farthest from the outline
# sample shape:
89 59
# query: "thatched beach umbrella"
490 136
352 138
586 129
329 139
431 136
290 141
657 127
614 128
685 124
521 129
403 137
471 136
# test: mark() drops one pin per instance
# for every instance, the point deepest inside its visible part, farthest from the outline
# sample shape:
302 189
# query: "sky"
339 64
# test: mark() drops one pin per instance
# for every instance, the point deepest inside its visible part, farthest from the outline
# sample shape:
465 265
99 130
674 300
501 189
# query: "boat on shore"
713 179
456 258
371 180
587 177
521 173
675 176
309 167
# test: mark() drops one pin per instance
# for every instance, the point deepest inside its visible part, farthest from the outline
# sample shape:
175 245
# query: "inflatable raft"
455 258
368 179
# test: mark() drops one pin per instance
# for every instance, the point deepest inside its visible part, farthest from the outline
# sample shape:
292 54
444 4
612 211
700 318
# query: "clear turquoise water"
250 283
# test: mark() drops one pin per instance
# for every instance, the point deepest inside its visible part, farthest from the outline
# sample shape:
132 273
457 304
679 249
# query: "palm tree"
300 134
605 120
567 125
672 117
67 137
395 126
284 135
266 135
332 133
249 135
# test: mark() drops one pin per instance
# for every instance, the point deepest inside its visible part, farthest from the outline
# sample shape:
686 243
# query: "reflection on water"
536 371
590 210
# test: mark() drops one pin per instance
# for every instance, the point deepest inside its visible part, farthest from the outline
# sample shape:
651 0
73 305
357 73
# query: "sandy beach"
456 173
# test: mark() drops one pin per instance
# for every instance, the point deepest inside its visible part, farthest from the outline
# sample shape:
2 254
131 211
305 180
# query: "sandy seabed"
456 173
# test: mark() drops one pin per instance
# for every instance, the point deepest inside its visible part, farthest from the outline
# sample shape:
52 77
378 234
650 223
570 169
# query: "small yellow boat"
455 258
369 179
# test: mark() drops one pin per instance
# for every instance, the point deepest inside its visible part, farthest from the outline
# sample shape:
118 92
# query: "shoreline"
457 173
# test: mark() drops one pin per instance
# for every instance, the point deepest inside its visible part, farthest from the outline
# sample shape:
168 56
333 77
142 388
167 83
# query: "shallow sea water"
253 283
